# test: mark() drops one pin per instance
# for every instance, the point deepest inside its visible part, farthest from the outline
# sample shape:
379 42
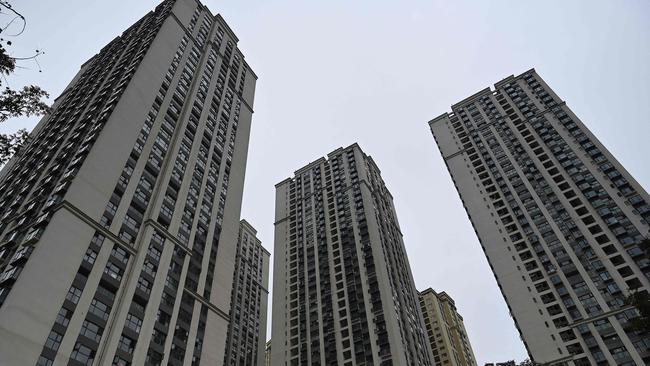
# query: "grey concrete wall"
279 311
31 308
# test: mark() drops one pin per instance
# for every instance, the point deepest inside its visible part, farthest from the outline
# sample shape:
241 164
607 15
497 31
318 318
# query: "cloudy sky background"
374 72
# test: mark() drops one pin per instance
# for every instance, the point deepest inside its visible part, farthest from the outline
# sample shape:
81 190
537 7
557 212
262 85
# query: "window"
127 237
91 331
113 271
166 211
53 341
154 357
157 238
137 307
98 240
100 309
119 361
126 344
133 322
150 268
163 318
167 299
44 361
83 354
73 294
132 223
63 317
120 254
171 282
144 285
90 256
111 208
106 292
154 253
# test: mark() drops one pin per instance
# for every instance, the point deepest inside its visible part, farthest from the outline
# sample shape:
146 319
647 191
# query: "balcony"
10 275
22 255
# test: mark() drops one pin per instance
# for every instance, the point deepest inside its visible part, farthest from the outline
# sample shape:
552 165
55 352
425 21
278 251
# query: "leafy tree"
645 246
528 362
27 101
641 301
11 143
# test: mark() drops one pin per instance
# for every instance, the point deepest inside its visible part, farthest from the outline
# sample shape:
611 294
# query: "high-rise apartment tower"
446 330
343 292
246 345
559 219
119 220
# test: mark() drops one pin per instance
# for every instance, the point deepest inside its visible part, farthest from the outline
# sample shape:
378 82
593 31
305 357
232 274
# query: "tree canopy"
24 102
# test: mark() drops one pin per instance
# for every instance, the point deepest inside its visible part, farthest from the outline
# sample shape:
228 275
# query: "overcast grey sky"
375 72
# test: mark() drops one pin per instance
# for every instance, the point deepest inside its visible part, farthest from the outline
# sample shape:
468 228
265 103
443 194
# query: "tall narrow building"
559 219
267 356
343 292
119 220
446 330
246 345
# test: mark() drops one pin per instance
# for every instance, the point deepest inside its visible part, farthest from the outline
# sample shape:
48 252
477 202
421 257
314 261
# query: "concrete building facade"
558 217
446 330
343 292
246 345
119 220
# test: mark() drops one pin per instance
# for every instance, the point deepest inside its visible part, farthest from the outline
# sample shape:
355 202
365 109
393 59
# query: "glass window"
113 271
73 294
63 317
44 361
83 354
98 239
131 223
90 256
133 322
91 331
119 361
120 254
111 208
150 268
53 341
154 253
144 285
106 292
126 344
100 309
